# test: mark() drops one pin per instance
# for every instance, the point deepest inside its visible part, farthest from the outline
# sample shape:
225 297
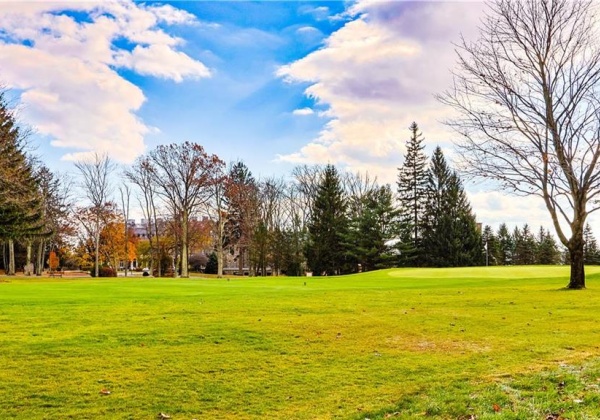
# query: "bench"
57 273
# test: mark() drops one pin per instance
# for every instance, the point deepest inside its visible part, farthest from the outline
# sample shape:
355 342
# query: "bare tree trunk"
28 267
39 268
184 244
11 258
97 248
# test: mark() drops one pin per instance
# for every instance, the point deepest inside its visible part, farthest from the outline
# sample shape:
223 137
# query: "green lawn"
481 343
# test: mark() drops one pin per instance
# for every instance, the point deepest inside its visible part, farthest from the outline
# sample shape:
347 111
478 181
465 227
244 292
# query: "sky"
272 83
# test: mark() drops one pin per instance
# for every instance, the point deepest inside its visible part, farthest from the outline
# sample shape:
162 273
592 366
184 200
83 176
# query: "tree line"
318 220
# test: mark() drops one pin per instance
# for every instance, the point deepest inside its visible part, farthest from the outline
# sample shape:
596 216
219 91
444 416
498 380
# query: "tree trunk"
11 258
577 280
97 248
39 268
184 245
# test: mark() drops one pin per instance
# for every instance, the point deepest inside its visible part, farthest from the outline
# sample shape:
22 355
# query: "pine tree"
450 235
547 249
326 250
20 201
591 254
490 245
412 189
525 246
372 228
506 245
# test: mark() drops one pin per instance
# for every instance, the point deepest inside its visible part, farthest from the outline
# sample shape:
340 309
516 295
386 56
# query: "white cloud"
376 75
66 69
303 111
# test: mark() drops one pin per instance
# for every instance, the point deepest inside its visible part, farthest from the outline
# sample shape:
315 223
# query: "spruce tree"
20 200
412 189
506 245
490 246
326 250
547 249
372 228
591 254
450 235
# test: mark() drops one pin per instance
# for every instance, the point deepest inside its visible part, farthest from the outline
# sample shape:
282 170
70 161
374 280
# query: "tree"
20 202
241 199
547 250
490 245
183 175
327 228
372 228
450 235
525 246
526 94
97 188
412 188
506 246
591 252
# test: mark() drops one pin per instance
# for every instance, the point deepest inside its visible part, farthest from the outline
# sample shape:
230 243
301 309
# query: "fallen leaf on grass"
163 416
496 408
104 391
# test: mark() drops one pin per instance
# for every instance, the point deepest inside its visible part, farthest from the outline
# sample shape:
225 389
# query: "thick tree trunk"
577 280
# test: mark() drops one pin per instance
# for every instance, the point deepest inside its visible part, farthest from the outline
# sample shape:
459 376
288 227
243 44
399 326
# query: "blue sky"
272 83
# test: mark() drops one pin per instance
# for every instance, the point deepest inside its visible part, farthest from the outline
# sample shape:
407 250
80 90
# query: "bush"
212 264
104 271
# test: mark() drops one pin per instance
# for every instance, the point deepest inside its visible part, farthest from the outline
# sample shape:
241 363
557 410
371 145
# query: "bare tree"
140 174
183 175
527 94
125 193
97 188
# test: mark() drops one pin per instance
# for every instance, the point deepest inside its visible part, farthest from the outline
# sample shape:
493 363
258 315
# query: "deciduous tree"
527 100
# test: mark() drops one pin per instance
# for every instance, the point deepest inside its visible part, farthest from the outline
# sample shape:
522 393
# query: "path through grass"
455 343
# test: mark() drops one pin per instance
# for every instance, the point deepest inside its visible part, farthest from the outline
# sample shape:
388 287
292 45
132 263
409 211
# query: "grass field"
479 343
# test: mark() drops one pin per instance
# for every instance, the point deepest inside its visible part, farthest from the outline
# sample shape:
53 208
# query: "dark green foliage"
212 264
372 228
525 246
326 247
450 235
506 245
547 249
490 245
412 195
591 254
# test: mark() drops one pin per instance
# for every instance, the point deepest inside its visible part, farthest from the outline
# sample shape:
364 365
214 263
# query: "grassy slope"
442 343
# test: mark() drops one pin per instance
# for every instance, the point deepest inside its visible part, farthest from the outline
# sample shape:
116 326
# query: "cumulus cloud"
66 69
376 75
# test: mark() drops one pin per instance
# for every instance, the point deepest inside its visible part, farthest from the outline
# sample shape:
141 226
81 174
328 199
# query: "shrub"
104 271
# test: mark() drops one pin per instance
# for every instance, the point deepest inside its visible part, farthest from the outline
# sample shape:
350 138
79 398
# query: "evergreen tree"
591 254
20 200
371 229
326 251
506 245
525 246
412 189
547 249
490 245
450 235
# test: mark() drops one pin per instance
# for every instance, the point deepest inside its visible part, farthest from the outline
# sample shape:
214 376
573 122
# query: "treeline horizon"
320 221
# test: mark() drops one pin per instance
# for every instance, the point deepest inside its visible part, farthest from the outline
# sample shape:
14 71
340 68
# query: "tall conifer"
412 189
326 250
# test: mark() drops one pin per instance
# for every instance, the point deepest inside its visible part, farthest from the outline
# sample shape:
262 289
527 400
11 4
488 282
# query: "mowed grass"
408 343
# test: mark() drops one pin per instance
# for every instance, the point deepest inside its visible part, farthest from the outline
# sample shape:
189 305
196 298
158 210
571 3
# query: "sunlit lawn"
408 343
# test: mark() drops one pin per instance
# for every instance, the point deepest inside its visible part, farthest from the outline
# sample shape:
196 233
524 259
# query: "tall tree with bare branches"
183 175
97 188
527 94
